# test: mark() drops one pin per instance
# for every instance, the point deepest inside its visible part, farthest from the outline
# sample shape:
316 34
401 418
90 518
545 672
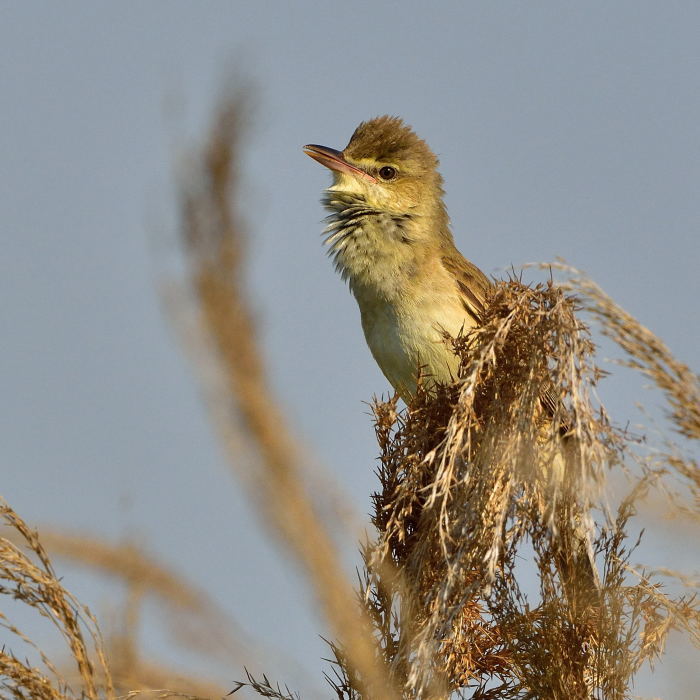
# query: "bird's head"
387 166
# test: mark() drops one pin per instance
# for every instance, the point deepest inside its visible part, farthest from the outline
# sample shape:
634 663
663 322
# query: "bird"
389 236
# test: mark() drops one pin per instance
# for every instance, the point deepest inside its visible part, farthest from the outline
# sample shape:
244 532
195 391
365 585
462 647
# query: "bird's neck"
381 252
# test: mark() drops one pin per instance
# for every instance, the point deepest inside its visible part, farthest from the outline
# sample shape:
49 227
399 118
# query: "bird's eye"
387 172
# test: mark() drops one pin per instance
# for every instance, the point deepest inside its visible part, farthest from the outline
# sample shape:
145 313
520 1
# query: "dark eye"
387 172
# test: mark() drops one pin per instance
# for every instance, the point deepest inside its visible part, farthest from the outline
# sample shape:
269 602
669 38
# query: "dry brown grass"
491 502
27 575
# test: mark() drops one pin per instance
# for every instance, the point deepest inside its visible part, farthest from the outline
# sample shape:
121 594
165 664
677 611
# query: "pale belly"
405 343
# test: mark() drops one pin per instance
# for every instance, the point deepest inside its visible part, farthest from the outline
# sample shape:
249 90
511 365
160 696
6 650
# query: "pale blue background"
564 129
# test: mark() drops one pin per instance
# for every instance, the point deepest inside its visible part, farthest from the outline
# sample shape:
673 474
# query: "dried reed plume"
27 575
476 475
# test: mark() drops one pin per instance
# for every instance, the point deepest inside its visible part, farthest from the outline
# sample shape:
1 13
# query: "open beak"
335 161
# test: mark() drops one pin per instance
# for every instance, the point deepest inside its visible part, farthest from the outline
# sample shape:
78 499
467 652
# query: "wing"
472 283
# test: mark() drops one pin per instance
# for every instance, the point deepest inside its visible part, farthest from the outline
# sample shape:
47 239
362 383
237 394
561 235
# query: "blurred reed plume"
492 510
213 239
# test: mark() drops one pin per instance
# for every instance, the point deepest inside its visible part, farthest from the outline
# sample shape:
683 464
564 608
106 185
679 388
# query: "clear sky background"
563 129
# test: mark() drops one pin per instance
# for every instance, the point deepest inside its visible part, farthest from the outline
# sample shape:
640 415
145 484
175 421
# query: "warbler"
389 236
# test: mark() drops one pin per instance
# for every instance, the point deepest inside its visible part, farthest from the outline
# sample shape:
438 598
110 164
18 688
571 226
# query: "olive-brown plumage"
389 236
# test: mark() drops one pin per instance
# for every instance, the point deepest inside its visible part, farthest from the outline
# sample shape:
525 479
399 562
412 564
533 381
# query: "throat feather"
366 244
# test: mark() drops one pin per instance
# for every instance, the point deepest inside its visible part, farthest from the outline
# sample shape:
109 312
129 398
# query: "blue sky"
564 130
